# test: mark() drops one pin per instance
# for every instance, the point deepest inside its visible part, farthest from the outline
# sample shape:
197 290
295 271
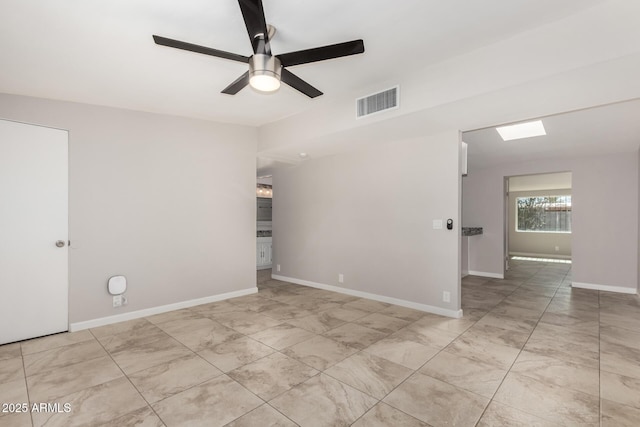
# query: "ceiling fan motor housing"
265 72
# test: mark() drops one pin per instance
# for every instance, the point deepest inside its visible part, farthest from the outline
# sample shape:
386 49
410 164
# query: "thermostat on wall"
117 285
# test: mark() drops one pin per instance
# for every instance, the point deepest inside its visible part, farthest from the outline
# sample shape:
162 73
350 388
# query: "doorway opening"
538 217
264 227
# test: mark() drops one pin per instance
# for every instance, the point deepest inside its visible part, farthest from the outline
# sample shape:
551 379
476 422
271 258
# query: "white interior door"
33 231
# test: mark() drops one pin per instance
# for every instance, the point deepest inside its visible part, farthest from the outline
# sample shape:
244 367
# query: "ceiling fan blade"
199 49
237 85
298 84
253 14
321 53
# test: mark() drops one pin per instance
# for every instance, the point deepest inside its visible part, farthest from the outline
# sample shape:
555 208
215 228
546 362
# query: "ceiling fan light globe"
264 83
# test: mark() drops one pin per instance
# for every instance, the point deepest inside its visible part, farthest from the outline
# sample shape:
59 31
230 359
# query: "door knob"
60 243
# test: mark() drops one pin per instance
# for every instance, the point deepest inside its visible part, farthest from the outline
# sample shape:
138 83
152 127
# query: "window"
551 214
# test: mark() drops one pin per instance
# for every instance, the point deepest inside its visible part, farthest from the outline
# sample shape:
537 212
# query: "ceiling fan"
266 70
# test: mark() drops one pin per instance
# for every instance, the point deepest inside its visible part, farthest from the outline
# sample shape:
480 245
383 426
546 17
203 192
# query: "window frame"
516 198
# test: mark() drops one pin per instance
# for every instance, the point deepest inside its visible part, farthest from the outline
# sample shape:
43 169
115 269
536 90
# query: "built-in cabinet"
263 253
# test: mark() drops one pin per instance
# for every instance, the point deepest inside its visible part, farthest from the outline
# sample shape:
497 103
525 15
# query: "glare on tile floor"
552 260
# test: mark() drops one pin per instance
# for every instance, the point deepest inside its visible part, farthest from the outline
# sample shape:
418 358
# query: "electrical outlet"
117 301
446 296
278 267
557 248
340 278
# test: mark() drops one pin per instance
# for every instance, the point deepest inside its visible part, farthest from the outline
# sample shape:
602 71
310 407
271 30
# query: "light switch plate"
437 224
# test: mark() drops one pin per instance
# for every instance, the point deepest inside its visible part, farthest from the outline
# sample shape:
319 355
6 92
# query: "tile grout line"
417 371
26 384
523 346
49 371
321 372
129 379
198 384
318 373
265 402
599 362
554 296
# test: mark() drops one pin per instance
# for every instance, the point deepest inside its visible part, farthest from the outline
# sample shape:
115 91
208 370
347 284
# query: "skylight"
521 130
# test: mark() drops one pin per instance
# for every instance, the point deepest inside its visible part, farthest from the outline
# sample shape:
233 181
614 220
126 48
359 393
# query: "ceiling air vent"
378 102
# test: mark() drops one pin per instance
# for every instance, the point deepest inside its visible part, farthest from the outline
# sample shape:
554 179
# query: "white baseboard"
606 288
485 274
465 273
534 255
416 306
102 321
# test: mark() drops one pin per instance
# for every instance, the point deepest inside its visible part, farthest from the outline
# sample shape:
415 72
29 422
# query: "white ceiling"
594 131
461 64
101 52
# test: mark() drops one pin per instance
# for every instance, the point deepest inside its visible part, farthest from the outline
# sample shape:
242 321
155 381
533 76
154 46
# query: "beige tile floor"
529 351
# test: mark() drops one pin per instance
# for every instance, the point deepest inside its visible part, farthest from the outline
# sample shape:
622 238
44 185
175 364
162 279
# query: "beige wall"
604 246
542 244
368 214
168 202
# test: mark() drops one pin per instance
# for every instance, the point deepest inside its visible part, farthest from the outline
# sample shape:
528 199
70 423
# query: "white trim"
102 321
485 274
465 273
409 304
606 288
40 125
538 255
